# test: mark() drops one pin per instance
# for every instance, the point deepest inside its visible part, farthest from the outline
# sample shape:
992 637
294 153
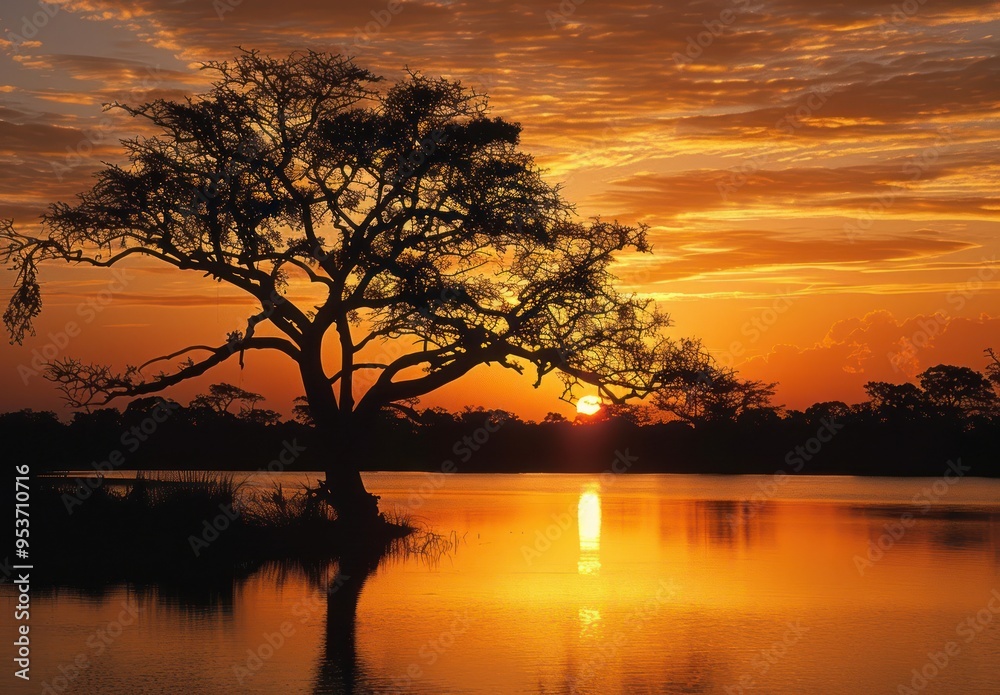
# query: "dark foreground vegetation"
185 527
726 426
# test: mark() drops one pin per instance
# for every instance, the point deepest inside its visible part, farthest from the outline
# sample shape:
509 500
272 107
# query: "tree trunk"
340 435
347 494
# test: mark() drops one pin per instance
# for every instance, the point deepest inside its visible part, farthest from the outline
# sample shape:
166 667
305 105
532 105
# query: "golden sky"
820 178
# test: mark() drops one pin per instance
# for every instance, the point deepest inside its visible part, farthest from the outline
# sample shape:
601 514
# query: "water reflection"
588 513
341 668
589 621
584 611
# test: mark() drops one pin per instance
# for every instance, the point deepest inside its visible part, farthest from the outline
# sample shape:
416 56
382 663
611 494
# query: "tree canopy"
958 389
944 389
411 207
436 244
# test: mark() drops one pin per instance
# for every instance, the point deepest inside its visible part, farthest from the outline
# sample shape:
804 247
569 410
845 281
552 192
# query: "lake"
577 583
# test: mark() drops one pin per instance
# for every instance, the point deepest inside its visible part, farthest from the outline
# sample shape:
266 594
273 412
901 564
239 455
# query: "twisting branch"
89 385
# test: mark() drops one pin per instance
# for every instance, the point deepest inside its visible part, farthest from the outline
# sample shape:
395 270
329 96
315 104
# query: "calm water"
566 583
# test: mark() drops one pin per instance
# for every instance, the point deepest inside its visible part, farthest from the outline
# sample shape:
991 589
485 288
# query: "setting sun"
516 346
588 405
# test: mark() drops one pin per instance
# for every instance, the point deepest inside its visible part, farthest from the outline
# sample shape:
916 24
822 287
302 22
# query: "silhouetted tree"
717 395
300 411
957 391
436 416
796 418
139 408
475 416
993 368
221 397
830 410
27 416
435 242
632 413
101 418
32 436
261 416
896 401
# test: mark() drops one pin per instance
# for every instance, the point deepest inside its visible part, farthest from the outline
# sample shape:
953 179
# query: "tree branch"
87 385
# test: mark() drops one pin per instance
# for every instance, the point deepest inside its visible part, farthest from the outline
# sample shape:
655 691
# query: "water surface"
574 583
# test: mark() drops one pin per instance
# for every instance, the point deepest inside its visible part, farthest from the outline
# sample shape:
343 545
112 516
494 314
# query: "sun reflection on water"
588 512
590 622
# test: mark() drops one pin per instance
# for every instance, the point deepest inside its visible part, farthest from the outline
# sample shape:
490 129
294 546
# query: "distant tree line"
720 423
958 396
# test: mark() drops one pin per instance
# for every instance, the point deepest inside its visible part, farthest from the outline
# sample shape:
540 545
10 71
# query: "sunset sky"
820 178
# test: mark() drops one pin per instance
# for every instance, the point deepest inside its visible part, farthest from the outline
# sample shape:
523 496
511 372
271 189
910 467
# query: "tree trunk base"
355 508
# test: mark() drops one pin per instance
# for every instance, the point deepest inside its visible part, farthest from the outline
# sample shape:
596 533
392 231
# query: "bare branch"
88 385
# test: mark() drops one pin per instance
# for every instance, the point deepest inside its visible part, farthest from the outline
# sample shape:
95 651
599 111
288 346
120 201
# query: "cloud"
901 183
874 347
683 255
747 148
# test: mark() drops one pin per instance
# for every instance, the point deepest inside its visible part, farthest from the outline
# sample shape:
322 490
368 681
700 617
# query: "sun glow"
588 405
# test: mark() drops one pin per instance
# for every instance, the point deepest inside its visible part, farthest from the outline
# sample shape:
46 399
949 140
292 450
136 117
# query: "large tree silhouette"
957 391
436 244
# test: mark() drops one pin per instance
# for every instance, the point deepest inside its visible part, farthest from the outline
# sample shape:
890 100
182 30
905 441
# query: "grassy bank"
185 526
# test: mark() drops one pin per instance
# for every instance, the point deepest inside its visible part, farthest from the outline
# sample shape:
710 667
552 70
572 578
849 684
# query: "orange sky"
820 178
